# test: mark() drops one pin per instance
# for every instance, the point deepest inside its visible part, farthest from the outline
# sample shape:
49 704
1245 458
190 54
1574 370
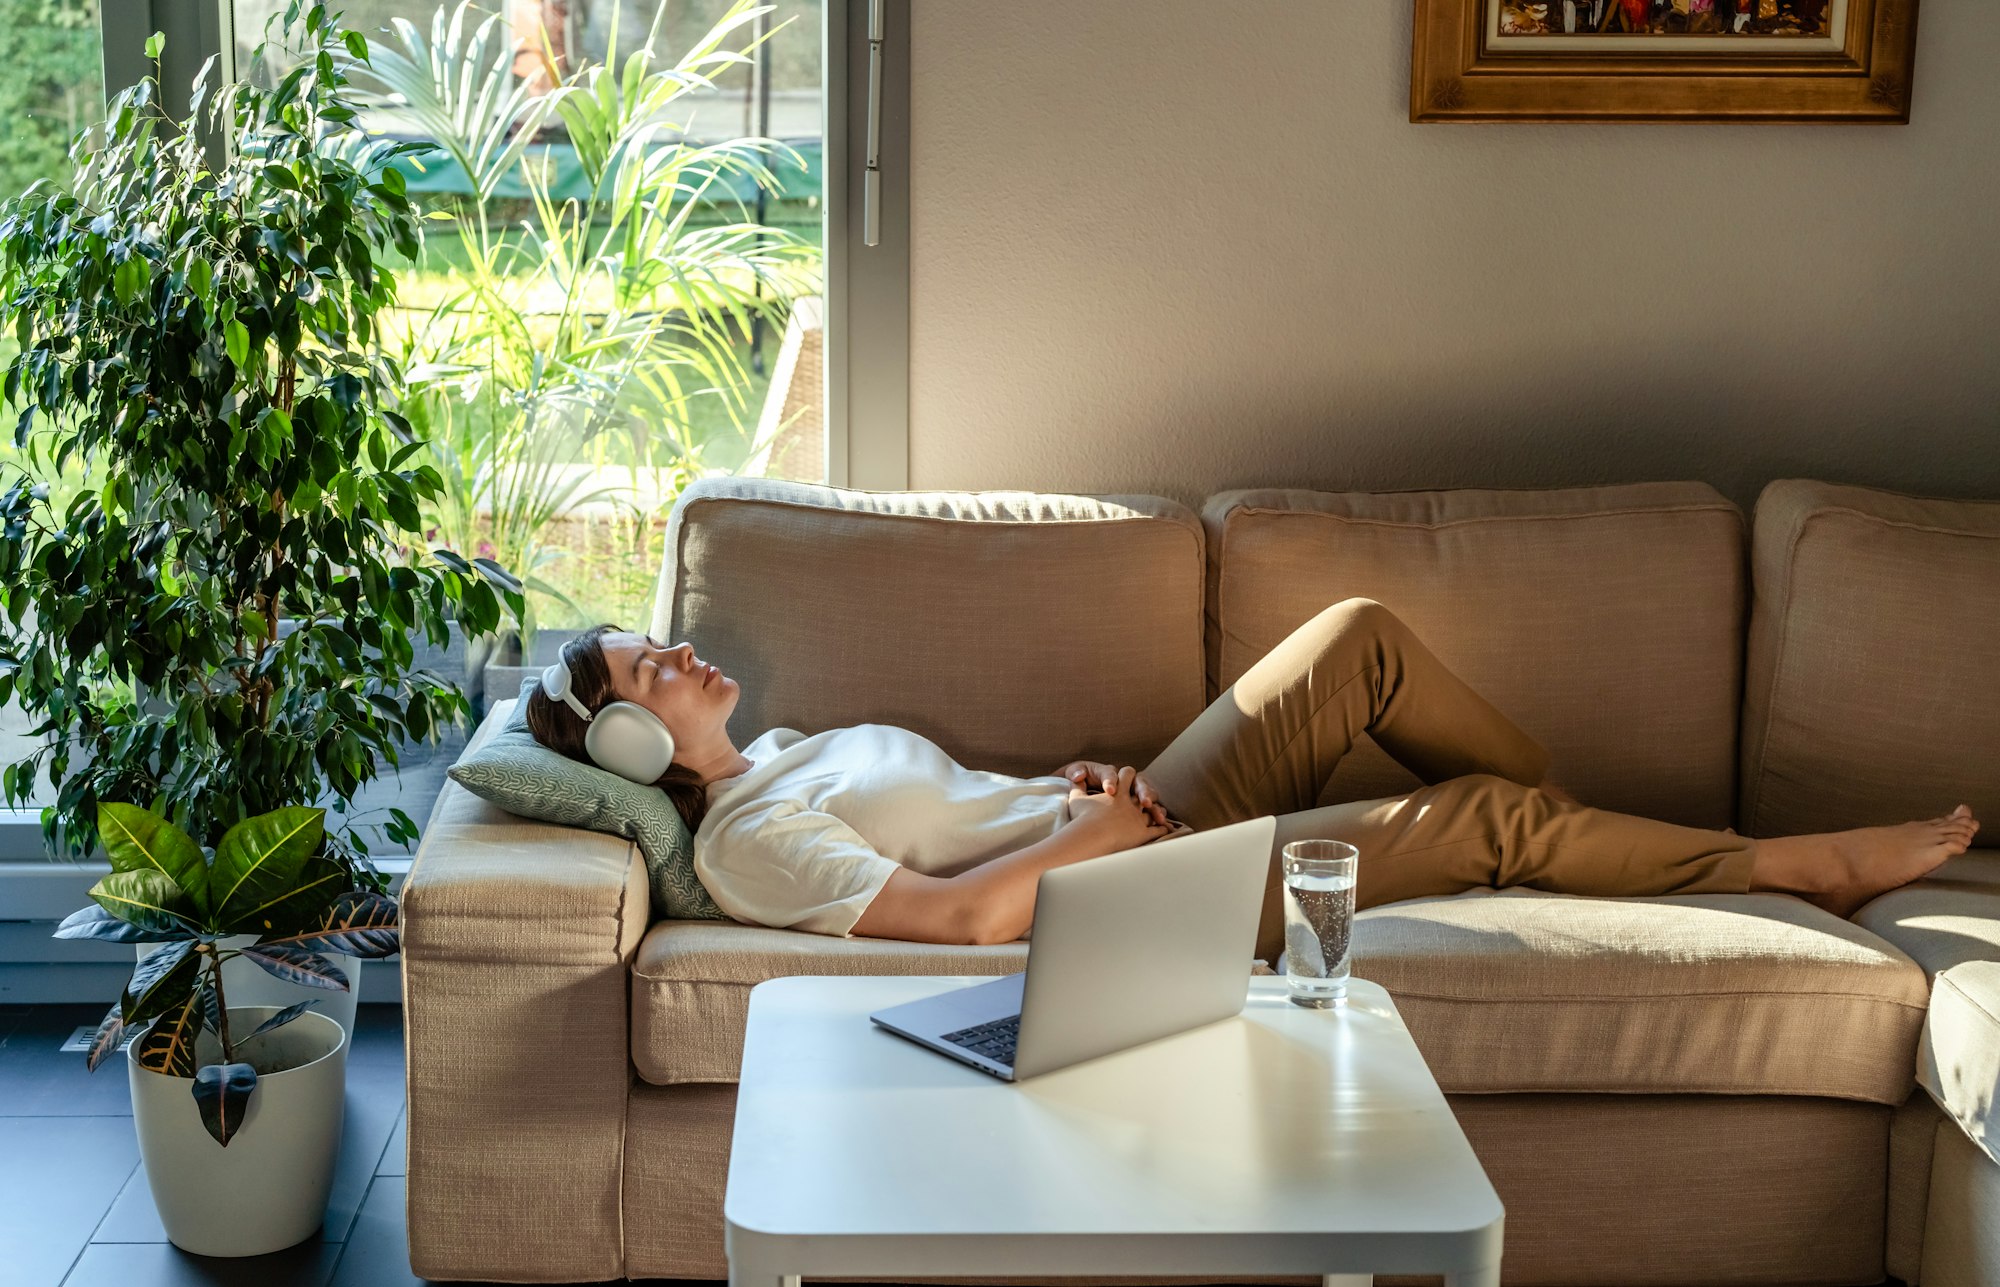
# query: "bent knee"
1356 618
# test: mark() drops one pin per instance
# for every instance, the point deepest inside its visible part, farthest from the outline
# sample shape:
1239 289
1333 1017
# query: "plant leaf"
303 908
259 861
359 924
110 1031
148 899
168 1046
136 840
222 1092
95 922
296 965
281 1018
163 980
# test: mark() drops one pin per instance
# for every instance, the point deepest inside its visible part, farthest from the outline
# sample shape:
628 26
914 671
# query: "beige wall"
1187 245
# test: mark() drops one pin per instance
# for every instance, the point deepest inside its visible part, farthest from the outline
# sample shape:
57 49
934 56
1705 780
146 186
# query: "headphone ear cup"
629 740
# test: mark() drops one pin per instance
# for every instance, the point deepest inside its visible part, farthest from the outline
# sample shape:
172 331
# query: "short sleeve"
790 867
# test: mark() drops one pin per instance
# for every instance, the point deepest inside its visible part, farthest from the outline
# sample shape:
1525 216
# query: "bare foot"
1555 792
1843 870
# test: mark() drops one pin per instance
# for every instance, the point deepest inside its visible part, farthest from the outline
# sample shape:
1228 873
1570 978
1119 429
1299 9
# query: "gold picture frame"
1854 63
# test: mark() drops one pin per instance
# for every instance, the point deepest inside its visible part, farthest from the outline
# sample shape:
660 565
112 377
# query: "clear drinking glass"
1319 919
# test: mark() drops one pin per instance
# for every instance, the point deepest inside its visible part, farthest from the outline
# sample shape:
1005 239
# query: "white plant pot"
244 982
268 1189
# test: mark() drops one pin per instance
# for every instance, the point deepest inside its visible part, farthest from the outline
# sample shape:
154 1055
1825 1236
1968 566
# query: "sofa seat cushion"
1606 621
1504 991
1960 1062
1947 919
1725 994
1869 694
691 985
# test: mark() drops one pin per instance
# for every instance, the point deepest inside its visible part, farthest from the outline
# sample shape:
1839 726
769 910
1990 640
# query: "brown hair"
561 729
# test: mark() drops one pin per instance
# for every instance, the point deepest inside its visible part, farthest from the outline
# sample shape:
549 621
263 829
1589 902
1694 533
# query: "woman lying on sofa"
875 831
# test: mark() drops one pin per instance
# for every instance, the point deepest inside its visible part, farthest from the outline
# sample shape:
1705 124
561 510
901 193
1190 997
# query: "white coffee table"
1285 1141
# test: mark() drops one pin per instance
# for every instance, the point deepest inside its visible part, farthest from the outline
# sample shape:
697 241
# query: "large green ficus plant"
220 621
266 877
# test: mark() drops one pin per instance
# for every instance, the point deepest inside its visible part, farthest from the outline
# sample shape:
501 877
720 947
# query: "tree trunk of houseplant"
268 1189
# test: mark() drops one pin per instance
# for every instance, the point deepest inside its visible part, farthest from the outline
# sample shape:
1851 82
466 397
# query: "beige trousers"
1269 743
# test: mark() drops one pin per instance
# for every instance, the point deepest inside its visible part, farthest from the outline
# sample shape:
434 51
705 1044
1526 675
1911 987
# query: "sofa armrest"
517 940
692 979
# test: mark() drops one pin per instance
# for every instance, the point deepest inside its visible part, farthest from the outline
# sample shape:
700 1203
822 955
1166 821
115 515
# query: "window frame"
867 287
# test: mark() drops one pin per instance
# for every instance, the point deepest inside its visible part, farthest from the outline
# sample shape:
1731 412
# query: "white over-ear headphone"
624 738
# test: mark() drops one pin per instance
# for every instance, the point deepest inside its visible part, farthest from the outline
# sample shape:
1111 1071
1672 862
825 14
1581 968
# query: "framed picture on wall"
1663 60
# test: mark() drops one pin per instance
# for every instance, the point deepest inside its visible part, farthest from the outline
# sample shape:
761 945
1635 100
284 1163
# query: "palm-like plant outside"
615 312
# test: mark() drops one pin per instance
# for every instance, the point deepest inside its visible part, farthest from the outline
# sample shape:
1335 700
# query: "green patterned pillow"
524 777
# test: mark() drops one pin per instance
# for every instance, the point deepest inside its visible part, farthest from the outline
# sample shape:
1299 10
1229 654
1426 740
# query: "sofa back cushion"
1873 683
1607 621
1015 630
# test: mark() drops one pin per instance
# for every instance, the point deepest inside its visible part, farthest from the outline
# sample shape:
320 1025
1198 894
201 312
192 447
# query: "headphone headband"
556 683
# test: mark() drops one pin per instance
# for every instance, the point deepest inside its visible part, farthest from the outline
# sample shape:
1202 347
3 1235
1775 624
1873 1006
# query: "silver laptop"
1127 948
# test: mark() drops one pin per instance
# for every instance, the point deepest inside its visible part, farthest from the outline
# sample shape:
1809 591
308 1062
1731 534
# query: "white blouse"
806 837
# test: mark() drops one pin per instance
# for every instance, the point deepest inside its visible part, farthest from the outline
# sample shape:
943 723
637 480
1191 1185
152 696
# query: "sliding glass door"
622 290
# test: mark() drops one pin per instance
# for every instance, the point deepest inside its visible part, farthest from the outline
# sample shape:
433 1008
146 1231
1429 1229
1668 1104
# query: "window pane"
567 480
627 294
53 88
592 328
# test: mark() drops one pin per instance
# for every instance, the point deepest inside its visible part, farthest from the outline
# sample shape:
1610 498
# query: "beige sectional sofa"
1696 1090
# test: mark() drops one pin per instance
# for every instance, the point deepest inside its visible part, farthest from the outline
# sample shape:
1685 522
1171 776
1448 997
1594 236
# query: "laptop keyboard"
993 1040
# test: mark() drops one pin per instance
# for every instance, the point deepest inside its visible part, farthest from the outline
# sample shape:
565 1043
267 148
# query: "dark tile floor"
74 1207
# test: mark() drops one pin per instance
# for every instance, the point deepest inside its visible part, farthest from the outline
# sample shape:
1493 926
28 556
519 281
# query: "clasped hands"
1088 777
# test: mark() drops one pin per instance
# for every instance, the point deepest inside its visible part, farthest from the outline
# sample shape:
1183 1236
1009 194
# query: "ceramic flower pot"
244 982
268 1189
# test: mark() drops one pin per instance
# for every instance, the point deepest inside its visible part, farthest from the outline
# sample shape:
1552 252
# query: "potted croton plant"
262 1082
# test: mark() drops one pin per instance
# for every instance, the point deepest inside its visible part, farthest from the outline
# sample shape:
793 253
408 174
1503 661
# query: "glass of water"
1319 919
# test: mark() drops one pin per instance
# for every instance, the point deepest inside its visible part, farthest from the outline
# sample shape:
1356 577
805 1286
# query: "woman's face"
692 698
